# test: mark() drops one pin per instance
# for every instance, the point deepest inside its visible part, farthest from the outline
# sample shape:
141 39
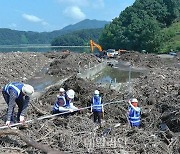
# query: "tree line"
77 38
14 37
144 26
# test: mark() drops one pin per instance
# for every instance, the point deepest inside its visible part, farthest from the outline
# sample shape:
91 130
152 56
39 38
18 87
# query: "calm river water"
42 48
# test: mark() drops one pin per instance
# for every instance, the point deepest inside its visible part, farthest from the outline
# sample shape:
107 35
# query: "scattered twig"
12 148
38 110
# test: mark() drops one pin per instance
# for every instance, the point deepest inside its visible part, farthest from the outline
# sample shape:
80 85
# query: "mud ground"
158 92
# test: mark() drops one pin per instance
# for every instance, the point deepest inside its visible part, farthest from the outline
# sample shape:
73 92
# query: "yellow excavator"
93 44
110 53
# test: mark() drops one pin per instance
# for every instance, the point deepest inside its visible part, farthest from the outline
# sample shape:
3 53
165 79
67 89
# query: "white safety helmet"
96 92
61 90
27 89
70 93
134 100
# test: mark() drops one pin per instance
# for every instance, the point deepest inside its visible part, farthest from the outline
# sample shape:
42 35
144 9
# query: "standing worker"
134 113
97 107
17 93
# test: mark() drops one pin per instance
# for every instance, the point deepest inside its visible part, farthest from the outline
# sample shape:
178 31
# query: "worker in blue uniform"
134 113
17 93
64 102
97 106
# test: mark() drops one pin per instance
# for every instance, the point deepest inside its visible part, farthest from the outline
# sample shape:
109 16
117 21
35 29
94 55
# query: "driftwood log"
28 141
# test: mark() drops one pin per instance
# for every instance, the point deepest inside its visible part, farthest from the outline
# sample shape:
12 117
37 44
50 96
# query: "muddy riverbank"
158 93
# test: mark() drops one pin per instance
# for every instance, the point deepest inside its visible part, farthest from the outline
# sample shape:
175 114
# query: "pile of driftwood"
158 93
78 134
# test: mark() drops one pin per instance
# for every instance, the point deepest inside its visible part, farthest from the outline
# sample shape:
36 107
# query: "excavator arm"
93 44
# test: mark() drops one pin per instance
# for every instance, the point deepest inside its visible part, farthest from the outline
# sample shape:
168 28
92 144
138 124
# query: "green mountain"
14 37
77 38
86 24
140 26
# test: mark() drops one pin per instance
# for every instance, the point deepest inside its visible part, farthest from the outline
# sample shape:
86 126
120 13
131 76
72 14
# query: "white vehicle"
173 53
111 53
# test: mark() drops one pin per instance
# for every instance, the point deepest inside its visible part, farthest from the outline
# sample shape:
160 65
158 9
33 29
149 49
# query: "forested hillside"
77 38
14 37
142 26
170 38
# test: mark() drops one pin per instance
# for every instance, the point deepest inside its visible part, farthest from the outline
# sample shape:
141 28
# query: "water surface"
42 48
115 75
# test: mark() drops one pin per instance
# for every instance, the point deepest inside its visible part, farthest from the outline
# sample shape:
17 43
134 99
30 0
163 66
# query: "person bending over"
17 93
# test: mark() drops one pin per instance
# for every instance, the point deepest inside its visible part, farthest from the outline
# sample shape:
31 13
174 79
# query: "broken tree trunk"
30 142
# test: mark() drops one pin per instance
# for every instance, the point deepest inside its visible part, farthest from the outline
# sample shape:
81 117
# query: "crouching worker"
97 107
134 113
63 102
17 93
60 104
69 97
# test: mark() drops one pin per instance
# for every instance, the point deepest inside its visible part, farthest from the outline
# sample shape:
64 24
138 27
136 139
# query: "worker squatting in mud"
64 102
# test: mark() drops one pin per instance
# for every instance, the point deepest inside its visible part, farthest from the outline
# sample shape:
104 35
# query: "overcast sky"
49 15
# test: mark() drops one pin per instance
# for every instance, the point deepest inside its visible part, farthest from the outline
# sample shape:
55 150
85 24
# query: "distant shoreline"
41 48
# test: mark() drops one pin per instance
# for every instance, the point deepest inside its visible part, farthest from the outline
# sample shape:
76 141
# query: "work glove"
71 110
8 123
22 120
79 110
102 108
